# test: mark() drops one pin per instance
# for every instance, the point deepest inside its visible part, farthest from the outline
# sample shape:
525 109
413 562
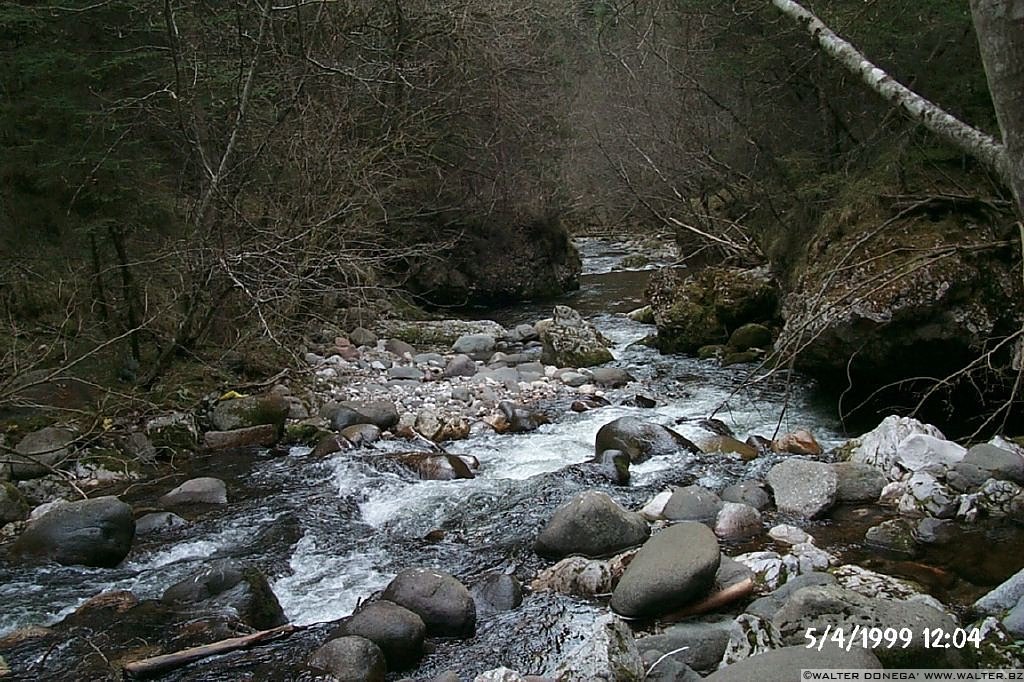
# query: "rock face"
640 440
571 341
805 488
879 447
350 659
701 309
444 604
674 568
396 630
226 584
891 316
96 532
40 450
592 525
609 655
500 259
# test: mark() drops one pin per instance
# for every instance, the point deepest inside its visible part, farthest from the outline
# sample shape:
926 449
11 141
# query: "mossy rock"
713 350
13 506
635 260
240 413
303 434
175 432
740 358
750 335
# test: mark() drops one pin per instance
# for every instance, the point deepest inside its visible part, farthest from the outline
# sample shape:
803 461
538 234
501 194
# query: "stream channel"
331 532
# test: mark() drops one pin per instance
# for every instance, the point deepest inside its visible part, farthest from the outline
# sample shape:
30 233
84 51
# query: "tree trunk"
989 151
999 25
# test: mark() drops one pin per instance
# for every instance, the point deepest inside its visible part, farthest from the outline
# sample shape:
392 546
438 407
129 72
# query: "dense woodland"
187 183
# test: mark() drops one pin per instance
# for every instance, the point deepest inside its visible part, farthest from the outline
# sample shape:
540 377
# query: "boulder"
738 521
227 584
699 309
263 436
880 446
593 525
692 503
360 336
40 451
802 487
748 492
240 413
431 466
609 653
460 366
702 643
728 445
750 335
175 432
476 346
610 377
571 341
331 443
676 567
96 532
361 434
895 535
920 451
1000 464
157 522
799 442
1003 597
613 465
381 413
400 348
350 659
497 593
204 490
396 630
640 439
521 419
926 495
444 604
789 535
857 482
788 662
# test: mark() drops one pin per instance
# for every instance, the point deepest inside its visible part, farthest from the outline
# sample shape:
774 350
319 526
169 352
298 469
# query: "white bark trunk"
972 141
999 25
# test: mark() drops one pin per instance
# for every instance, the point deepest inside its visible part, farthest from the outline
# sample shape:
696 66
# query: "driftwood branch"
982 146
161 664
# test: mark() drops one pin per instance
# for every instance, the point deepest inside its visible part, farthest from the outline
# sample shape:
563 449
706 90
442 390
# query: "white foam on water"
324 585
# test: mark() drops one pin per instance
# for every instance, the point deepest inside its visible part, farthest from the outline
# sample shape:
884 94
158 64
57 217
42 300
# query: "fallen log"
161 664
713 601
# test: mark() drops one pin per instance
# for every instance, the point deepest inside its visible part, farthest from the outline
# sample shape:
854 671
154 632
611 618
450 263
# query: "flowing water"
330 533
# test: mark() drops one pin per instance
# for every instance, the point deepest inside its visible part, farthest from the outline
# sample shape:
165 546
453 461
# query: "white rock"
926 495
769 570
892 493
655 507
879 446
811 558
46 508
499 675
790 535
920 451
737 520
609 653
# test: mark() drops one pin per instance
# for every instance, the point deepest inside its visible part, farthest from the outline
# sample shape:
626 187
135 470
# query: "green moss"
303 434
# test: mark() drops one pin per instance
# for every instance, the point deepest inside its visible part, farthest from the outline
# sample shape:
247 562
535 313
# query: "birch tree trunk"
999 25
1001 36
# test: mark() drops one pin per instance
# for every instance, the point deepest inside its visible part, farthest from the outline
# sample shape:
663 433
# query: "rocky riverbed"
469 500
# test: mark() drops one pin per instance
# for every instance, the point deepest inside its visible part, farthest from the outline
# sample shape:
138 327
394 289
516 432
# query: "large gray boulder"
1003 597
693 503
96 532
591 524
226 584
786 663
444 604
396 630
476 346
39 451
802 487
857 482
640 439
350 659
570 341
674 568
